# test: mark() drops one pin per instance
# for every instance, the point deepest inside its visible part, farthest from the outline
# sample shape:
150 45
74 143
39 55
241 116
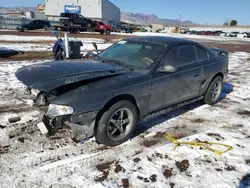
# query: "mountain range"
146 19
136 18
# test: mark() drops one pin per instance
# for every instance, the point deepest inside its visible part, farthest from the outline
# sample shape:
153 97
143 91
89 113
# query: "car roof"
161 39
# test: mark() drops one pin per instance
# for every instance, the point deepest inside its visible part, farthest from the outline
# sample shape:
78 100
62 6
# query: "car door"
32 25
36 24
183 84
40 24
81 20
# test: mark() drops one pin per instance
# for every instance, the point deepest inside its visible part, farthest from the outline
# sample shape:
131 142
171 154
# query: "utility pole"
180 20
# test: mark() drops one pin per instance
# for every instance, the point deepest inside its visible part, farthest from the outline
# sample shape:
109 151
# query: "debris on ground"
14 119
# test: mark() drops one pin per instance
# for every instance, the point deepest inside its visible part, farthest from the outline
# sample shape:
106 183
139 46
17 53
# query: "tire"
88 25
111 123
60 55
108 32
102 32
25 29
46 28
213 93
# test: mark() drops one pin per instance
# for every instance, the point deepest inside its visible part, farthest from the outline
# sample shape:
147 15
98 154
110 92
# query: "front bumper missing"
81 125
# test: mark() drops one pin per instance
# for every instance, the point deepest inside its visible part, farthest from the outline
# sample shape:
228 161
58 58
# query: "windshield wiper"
122 64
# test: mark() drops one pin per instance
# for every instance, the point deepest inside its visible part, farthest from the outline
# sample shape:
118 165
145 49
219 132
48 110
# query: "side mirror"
95 46
167 69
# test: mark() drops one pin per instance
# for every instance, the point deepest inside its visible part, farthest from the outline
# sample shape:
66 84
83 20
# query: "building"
102 10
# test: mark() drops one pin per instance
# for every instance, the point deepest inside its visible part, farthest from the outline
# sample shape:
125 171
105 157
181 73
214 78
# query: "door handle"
196 74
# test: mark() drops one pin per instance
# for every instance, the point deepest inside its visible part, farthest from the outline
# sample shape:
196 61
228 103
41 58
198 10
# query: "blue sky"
198 11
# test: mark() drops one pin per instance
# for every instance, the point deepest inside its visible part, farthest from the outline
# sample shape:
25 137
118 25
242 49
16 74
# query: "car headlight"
55 110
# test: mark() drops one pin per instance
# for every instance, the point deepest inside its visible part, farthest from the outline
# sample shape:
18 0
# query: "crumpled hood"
49 76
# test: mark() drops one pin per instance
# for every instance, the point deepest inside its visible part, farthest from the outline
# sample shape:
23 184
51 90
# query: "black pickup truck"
70 19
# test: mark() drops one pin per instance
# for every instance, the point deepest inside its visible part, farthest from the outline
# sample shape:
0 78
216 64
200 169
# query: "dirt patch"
104 166
149 143
125 183
159 155
167 173
61 34
119 168
172 185
104 169
218 170
103 148
153 178
103 177
227 45
146 180
197 120
183 165
216 136
160 135
136 160
230 168
248 162
244 113
51 42
4 149
44 55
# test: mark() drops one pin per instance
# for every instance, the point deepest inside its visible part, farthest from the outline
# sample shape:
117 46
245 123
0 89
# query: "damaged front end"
55 89
58 117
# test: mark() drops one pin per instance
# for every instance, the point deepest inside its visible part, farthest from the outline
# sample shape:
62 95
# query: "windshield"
135 54
26 22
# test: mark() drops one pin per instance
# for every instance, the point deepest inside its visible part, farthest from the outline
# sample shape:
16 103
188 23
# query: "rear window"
202 53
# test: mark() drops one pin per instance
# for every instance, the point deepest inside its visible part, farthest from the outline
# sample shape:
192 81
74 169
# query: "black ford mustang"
107 95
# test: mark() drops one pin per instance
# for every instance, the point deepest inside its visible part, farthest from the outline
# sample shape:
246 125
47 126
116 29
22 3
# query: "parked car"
232 34
7 52
126 29
242 35
103 28
33 25
208 33
116 28
223 34
217 33
106 96
71 19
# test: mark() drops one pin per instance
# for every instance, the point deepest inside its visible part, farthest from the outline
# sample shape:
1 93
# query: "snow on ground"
48 47
43 38
28 159
202 37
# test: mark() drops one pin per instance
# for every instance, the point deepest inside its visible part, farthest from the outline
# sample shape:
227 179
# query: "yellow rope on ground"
204 145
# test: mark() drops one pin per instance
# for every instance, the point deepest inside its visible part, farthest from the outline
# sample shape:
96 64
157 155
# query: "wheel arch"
218 74
114 100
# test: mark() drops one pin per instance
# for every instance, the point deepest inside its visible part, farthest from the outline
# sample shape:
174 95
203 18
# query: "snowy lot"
29 159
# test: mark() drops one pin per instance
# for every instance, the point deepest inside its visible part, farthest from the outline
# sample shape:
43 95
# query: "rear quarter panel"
218 64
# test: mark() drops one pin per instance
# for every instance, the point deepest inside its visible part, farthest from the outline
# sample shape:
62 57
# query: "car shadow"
156 119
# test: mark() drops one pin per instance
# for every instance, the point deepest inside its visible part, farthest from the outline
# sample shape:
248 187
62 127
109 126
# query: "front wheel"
108 32
214 91
116 124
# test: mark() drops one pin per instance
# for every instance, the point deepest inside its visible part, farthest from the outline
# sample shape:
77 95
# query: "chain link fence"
12 22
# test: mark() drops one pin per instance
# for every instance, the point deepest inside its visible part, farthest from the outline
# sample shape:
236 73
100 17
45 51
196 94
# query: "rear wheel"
214 91
46 28
116 124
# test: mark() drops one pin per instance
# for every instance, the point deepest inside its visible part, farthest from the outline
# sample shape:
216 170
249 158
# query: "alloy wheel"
120 124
